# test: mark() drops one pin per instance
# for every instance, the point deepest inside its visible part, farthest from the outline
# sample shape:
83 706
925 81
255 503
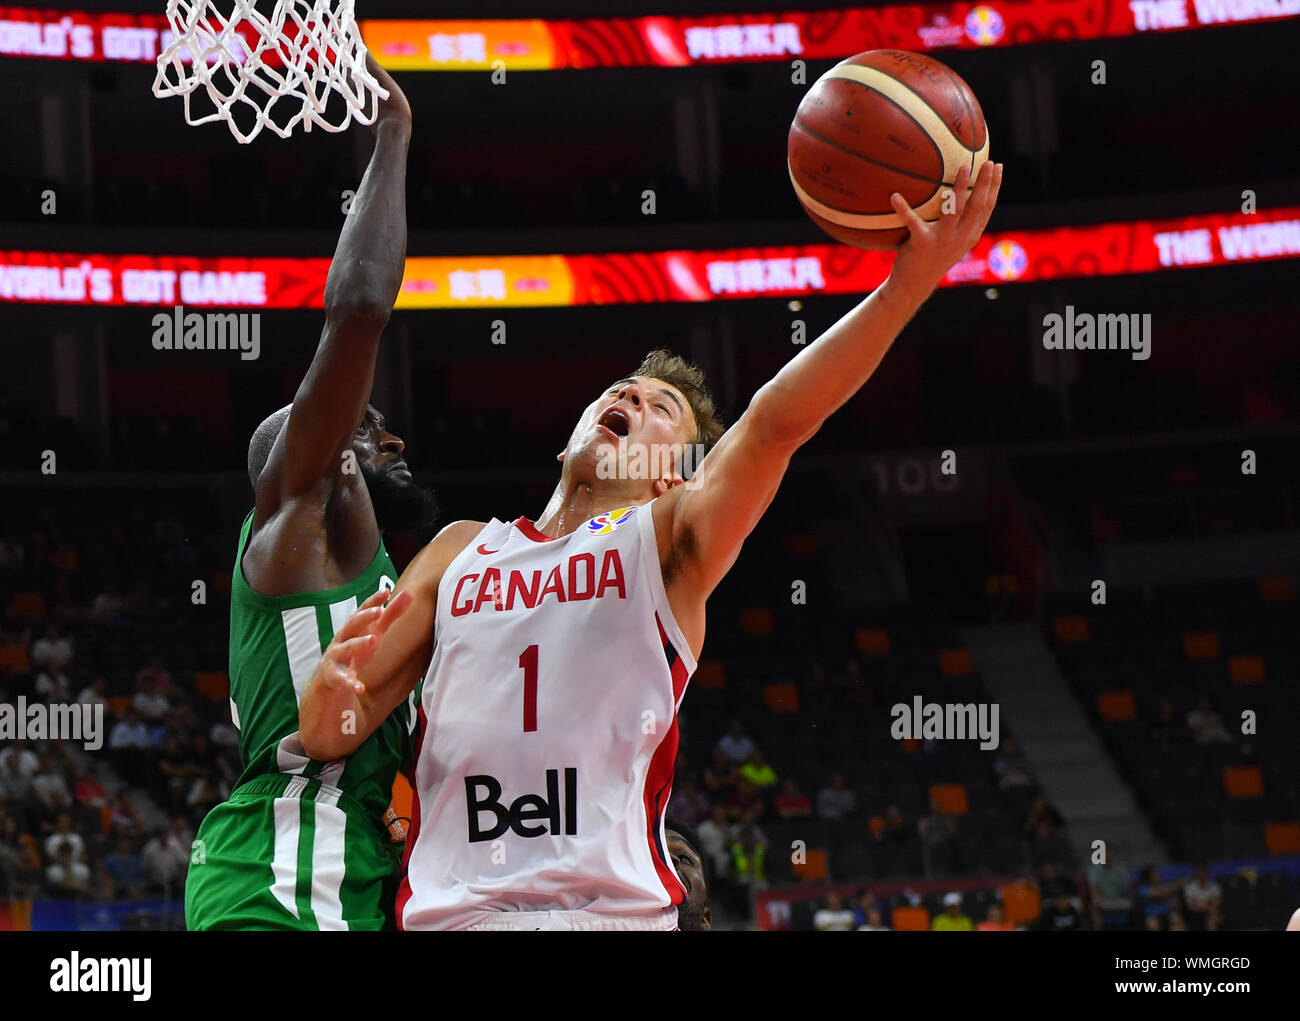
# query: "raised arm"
363 282
737 480
379 655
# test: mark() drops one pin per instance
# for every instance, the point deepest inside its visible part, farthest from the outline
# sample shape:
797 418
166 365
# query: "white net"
304 63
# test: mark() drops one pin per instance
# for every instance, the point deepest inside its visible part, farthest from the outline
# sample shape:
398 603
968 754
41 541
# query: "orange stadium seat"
815 866
118 704
872 641
213 684
876 826
909 919
28 605
781 698
758 622
221 582
1246 668
1282 837
14 657
956 663
1070 628
710 674
1243 782
951 797
1202 645
1020 903
1115 706
106 820
1277 588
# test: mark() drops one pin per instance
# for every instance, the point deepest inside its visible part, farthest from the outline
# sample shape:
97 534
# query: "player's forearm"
331 722
792 406
370 258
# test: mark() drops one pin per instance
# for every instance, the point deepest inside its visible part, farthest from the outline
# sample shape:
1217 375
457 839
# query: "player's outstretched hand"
355 643
396 105
932 249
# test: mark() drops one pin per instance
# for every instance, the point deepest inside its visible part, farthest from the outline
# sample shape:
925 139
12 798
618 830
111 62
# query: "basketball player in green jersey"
301 844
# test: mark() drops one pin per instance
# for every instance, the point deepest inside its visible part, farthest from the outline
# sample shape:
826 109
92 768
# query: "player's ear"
560 455
707 918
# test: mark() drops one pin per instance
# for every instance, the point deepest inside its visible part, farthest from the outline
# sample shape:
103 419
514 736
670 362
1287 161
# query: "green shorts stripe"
290 853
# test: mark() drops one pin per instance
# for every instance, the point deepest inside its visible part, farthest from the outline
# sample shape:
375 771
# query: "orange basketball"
881 122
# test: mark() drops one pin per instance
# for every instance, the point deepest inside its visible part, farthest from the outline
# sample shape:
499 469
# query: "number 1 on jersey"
528 664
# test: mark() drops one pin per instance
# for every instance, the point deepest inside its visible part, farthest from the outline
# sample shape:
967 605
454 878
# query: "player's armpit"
713 514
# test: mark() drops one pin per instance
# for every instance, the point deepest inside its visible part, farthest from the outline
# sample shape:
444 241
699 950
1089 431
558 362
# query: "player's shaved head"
259 447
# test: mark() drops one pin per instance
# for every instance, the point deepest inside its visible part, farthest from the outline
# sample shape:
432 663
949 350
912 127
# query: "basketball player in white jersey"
555 653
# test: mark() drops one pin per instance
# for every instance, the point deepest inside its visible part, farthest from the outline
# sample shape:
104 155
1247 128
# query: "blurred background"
1121 709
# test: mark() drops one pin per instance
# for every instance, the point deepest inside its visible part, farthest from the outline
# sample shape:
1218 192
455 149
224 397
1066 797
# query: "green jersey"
275 645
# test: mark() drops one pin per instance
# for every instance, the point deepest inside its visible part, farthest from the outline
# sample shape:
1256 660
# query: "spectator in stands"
175 774
157 673
1156 898
951 918
67 878
127 744
53 686
126 869
12 555
1060 914
1011 767
749 855
715 839
938 832
26 762
834 916
124 821
1166 730
149 702
836 801
95 693
1111 895
993 921
64 834
688 803
53 650
108 606
203 796
720 777
1045 829
1205 724
875 921
165 859
1204 900
223 734
736 745
759 775
49 782
893 827
1050 882
29 879
792 803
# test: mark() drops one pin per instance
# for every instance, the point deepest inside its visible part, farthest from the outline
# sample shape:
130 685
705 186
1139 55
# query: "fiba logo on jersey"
603 524
483 794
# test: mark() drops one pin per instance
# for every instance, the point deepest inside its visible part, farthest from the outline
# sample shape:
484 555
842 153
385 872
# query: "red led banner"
669 41
522 281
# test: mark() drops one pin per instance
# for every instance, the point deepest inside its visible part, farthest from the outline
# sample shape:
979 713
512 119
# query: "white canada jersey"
548 731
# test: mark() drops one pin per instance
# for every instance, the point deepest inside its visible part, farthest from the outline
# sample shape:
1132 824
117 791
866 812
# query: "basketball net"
249 64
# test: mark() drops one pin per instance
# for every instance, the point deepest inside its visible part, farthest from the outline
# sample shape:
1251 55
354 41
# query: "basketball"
883 121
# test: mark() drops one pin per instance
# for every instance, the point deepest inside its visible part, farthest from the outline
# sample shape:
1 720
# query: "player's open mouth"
615 420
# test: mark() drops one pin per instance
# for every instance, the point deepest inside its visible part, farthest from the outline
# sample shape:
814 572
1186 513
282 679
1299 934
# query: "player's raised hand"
354 644
395 107
932 249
